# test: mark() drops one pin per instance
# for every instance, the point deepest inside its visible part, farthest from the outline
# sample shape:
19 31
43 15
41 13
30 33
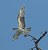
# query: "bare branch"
36 41
42 36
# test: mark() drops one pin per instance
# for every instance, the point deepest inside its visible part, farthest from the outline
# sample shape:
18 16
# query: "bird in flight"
21 25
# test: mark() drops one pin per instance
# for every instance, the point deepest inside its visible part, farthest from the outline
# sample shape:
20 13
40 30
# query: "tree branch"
36 41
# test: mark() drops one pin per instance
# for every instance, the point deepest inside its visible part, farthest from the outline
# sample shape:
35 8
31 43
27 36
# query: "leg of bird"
26 30
15 28
29 29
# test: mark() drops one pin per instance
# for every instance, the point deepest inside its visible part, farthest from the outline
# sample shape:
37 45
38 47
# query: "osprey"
21 25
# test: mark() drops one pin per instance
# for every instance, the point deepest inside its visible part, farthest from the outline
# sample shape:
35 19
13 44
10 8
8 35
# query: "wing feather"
21 18
16 35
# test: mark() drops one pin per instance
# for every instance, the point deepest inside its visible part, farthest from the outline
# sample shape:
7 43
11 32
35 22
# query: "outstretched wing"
16 35
21 18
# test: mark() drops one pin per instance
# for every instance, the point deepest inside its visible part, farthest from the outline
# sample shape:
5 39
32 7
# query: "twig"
36 41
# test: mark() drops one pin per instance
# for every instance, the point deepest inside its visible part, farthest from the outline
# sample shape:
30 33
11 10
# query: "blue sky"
36 16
